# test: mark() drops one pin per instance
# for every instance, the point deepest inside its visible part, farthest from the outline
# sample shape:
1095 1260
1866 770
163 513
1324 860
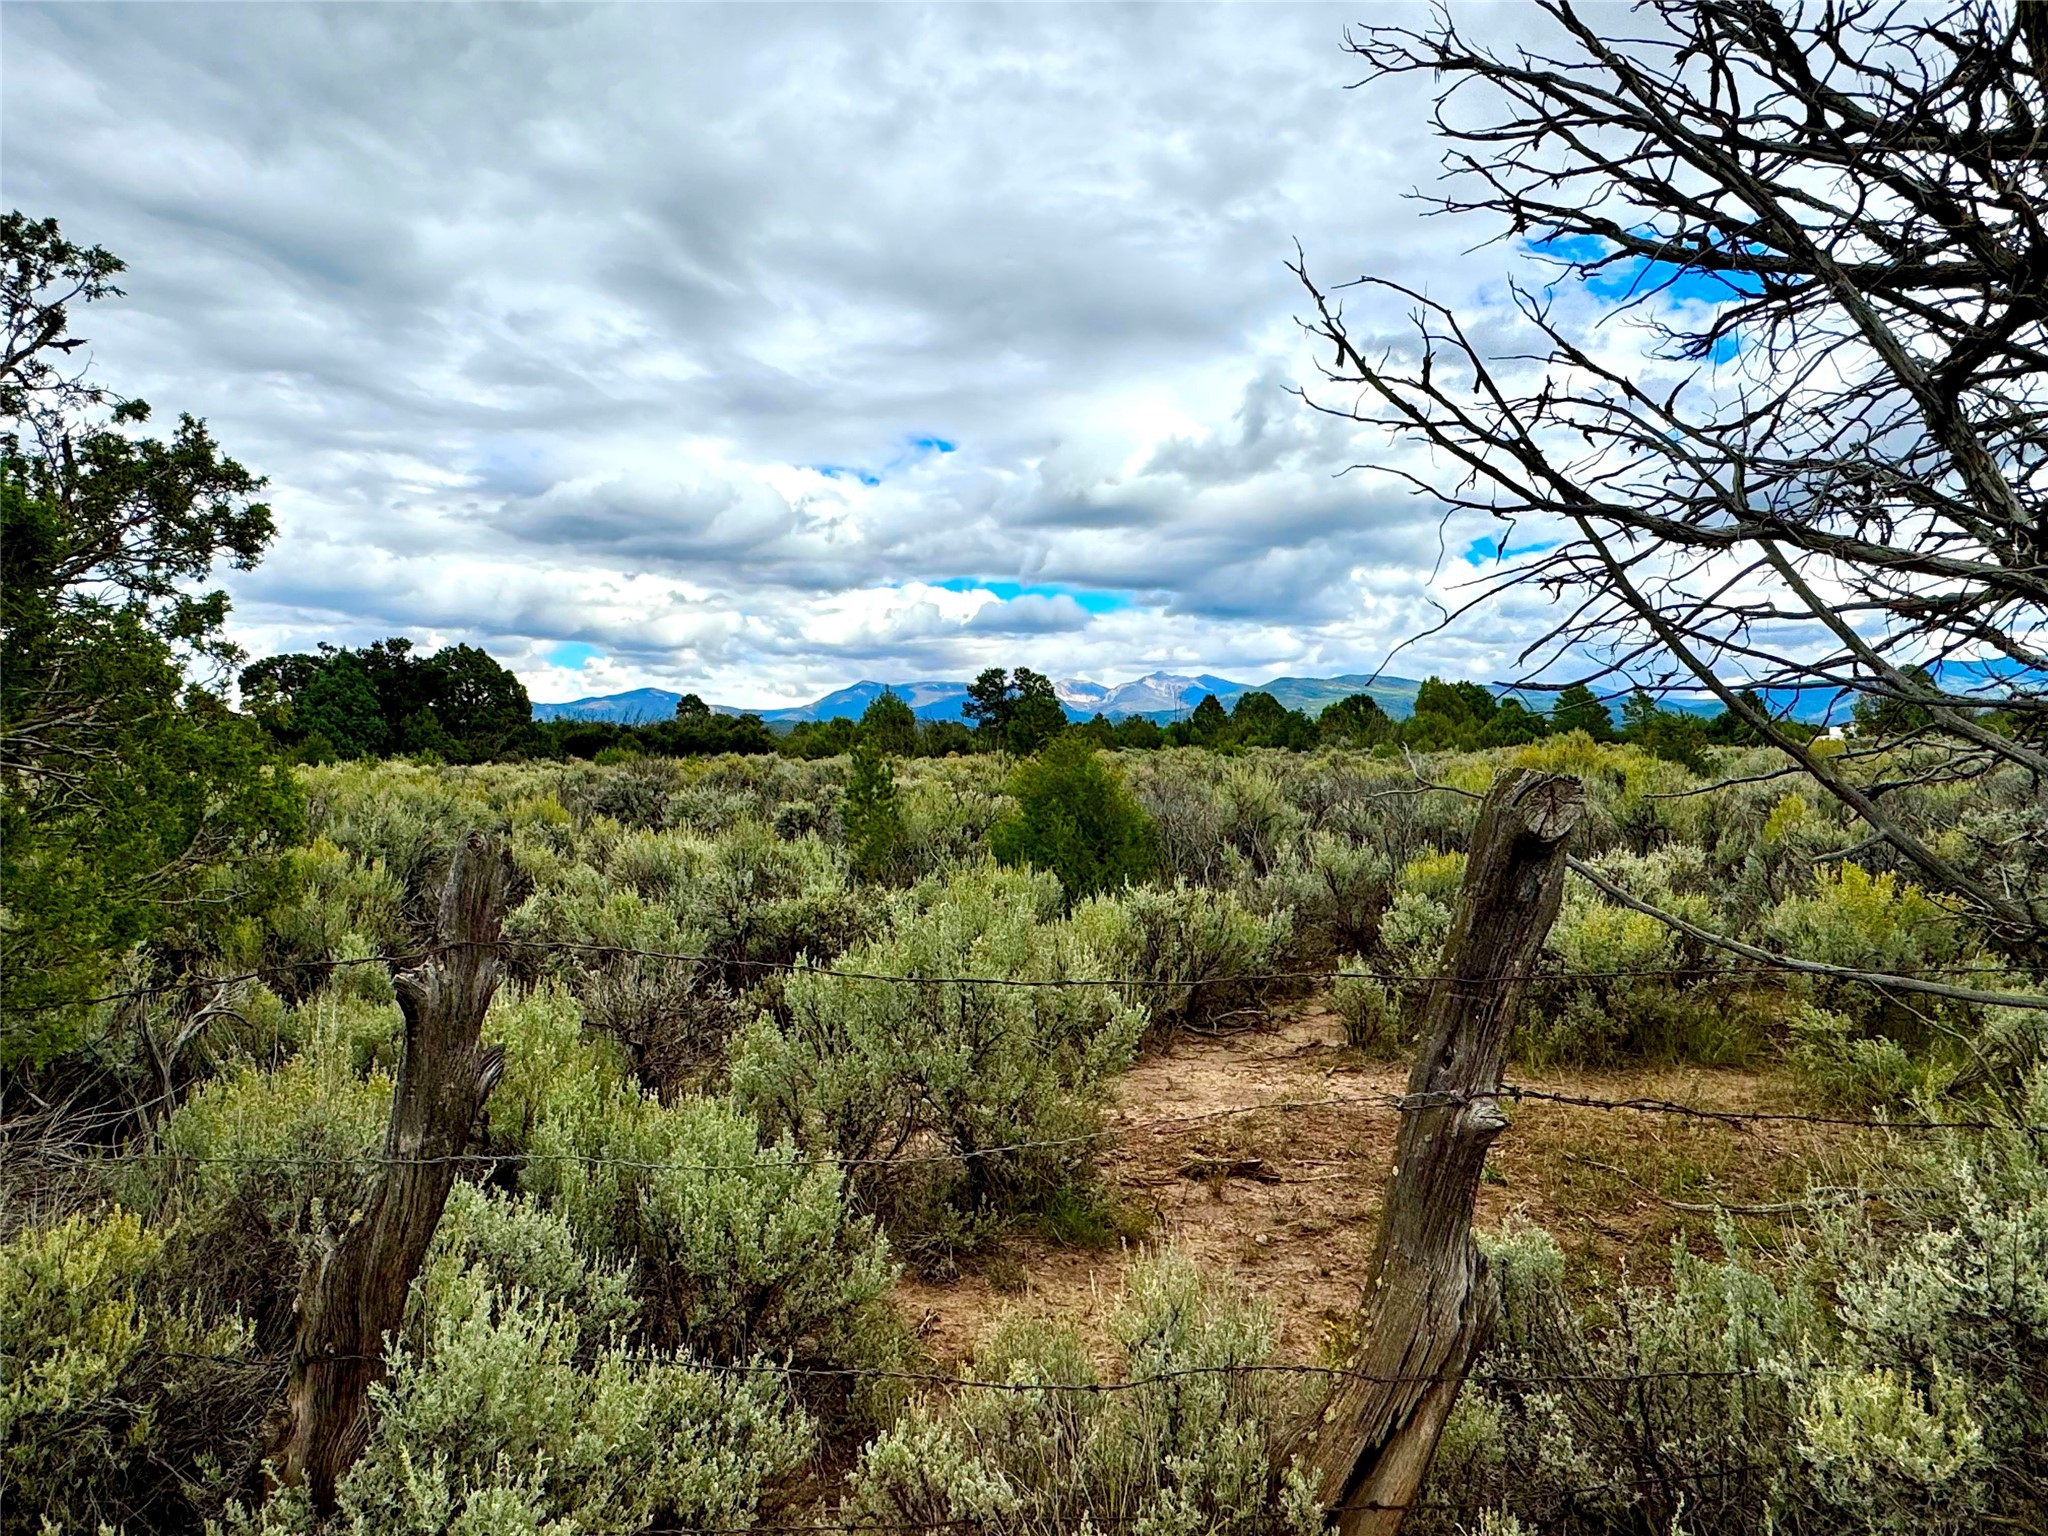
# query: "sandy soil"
1287 1200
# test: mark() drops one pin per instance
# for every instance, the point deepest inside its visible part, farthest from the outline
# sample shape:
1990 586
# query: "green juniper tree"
1076 817
1577 709
459 702
1036 715
872 814
127 785
1355 720
989 705
889 725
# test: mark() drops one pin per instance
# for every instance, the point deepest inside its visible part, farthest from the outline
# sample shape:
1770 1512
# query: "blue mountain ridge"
1160 697
1165 696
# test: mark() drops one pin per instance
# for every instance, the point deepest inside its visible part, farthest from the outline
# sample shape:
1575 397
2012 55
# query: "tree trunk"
1430 1304
353 1294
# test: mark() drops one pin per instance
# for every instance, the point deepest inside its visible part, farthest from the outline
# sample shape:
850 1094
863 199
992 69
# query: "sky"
754 350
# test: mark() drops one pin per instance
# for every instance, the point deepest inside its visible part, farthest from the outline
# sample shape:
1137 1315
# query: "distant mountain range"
1160 696
1165 696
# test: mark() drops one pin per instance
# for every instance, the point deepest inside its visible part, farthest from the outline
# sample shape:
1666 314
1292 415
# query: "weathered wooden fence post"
1429 1306
354 1292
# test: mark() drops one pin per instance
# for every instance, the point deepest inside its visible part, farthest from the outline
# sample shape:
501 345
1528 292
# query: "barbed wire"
793 1162
1741 1116
1093 1519
1111 1388
1483 1376
800 1162
408 959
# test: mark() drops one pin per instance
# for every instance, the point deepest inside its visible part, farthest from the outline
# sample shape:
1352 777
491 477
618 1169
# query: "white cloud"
639 326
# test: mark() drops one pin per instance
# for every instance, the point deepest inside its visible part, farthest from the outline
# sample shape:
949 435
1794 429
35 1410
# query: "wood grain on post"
1429 1305
353 1294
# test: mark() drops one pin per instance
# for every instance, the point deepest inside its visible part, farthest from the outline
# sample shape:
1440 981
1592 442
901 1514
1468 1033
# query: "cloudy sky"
756 349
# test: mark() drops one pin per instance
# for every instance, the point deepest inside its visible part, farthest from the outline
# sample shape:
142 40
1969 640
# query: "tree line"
459 705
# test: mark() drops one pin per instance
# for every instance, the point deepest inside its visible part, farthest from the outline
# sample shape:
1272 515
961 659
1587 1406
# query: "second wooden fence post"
354 1293
1429 1304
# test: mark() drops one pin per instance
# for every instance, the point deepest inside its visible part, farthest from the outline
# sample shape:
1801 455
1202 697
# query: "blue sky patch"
1637 275
573 654
1091 599
1482 551
914 448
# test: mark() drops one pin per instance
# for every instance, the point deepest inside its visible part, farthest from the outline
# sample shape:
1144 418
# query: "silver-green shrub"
1198 957
957 1100
1659 1409
1186 1455
735 1247
1371 1011
1877 1374
113 1396
512 1411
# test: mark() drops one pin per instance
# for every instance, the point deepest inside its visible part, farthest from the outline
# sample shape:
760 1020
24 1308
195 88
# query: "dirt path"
1287 1201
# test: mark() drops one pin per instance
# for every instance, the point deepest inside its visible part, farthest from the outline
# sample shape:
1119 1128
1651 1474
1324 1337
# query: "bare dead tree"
1783 395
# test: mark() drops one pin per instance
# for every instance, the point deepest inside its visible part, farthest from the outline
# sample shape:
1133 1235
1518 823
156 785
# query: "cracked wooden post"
1430 1303
353 1294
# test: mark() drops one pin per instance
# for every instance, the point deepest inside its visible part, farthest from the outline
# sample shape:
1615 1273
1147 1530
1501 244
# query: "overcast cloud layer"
757 350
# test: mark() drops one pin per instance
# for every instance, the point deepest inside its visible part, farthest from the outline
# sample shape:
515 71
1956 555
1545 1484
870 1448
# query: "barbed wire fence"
426 953
1461 984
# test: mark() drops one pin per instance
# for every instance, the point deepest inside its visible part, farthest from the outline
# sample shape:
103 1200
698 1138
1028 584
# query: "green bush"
872 815
104 1416
1881 1375
1864 921
1412 935
1339 895
340 908
1670 1411
1198 957
735 1248
270 1146
1076 818
1371 1011
514 1413
1191 1455
940 1074
1254 817
1838 1068
1437 876
1941 1382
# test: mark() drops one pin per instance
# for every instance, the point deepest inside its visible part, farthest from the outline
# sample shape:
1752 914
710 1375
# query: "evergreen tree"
1512 725
339 710
1207 726
1137 733
1579 709
1637 713
1076 817
1885 718
872 814
945 738
459 703
133 803
476 701
1260 720
988 705
1355 720
889 726
1036 715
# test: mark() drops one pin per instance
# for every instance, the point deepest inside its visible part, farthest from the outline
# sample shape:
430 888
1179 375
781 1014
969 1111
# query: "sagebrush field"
725 1175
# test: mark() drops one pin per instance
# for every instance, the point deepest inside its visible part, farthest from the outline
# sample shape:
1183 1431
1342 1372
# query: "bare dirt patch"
1286 1200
